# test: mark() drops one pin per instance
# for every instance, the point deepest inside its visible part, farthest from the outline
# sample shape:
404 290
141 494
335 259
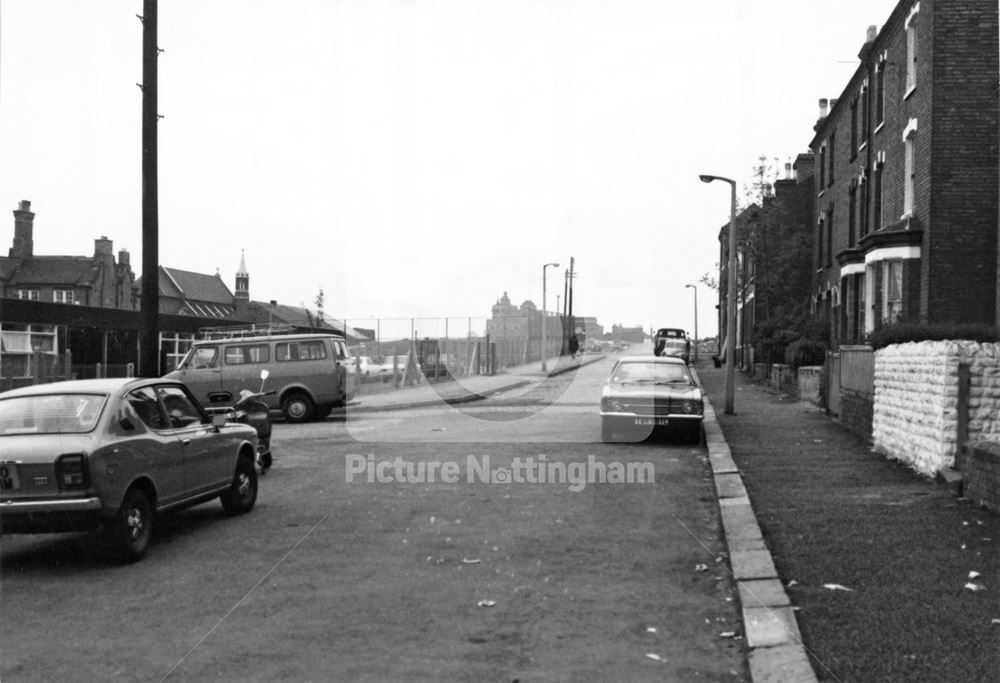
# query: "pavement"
382 397
873 555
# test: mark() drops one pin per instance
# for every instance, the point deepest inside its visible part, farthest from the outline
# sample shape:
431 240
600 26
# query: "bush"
804 352
902 333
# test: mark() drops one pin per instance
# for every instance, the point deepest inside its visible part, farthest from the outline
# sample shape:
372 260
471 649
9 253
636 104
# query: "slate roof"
183 292
78 271
263 312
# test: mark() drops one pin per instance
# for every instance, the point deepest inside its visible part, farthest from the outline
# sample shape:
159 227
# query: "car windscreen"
641 371
50 413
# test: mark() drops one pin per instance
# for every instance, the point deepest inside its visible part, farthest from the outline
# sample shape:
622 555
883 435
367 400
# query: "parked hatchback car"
114 453
644 393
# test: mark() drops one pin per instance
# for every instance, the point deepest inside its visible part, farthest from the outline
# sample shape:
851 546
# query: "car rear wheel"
241 495
133 527
297 407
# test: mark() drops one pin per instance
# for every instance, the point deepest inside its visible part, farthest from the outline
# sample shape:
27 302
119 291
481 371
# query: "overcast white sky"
418 158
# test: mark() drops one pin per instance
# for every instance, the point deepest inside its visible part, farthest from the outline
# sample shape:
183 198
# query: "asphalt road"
459 568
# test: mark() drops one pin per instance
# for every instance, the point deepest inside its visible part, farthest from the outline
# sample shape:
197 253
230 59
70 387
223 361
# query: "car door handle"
185 442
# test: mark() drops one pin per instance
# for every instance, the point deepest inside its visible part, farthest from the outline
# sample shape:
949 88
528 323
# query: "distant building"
98 280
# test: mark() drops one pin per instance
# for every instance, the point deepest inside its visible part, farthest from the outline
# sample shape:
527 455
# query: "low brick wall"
981 475
856 412
783 377
810 379
915 413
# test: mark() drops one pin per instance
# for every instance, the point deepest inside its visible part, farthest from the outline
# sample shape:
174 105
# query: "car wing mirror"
219 420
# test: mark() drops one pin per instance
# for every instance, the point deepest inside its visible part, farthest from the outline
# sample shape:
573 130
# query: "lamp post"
730 293
695 288
545 322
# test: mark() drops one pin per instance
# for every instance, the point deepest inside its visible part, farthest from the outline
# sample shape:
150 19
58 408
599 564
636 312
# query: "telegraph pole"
149 332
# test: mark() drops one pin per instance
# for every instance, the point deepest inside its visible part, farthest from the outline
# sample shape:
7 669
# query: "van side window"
340 348
305 350
203 357
241 355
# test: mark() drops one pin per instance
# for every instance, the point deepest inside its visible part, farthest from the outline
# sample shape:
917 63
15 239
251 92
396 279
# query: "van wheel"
297 407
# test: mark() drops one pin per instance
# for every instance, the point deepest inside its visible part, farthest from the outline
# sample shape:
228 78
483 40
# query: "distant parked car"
114 453
392 365
363 365
676 348
670 334
646 392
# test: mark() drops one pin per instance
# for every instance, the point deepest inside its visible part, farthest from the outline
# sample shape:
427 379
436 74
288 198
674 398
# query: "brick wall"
981 475
810 384
915 412
856 410
962 230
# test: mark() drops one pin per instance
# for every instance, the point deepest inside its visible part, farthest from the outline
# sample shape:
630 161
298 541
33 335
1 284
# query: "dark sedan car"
114 452
648 392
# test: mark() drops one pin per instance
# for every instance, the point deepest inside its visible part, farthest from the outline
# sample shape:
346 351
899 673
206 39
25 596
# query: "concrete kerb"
516 382
775 648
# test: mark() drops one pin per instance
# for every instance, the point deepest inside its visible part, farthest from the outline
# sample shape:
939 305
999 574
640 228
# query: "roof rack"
242 331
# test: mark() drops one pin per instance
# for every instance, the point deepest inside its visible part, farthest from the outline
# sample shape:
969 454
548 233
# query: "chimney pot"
823 107
24 205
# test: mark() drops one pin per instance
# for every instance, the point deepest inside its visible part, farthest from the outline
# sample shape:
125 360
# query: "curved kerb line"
245 596
772 612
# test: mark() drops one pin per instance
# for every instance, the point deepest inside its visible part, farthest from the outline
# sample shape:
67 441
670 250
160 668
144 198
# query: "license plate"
652 421
8 477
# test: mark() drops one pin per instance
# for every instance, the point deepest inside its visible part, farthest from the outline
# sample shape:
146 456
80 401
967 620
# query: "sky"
417 159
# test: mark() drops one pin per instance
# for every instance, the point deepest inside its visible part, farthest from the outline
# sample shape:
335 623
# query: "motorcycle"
249 409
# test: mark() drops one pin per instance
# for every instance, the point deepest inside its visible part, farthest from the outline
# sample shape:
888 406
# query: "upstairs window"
822 166
854 129
909 167
880 92
830 155
64 296
852 217
877 193
911 49
829 236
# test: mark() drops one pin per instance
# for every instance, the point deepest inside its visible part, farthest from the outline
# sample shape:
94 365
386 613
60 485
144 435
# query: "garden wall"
915 412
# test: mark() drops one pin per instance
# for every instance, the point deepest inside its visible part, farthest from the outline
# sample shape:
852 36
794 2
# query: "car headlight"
688 407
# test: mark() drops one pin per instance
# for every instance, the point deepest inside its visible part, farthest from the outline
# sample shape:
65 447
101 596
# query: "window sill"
909 92
878 128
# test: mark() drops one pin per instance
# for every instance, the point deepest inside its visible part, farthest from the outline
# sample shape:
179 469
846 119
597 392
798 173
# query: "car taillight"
72 472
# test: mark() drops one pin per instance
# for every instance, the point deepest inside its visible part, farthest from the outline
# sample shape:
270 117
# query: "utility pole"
149 332
572 262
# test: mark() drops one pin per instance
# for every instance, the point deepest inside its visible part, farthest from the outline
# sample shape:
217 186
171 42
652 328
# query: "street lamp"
695 288
545 322
730 293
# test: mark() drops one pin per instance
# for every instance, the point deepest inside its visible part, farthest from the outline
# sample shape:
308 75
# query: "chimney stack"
24 222
823 107
123 257
871 33
103 247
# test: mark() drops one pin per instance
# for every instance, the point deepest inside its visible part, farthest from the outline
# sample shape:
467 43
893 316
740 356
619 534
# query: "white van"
310 374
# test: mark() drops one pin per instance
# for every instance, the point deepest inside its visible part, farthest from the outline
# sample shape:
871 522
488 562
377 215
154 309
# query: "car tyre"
132 528
241 495
297 407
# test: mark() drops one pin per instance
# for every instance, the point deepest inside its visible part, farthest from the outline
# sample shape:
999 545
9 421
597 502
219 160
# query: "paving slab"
781 664
763 593
730 485
753 564
770 626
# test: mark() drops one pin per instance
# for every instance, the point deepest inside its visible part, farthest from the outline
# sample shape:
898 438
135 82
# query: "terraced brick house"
905 220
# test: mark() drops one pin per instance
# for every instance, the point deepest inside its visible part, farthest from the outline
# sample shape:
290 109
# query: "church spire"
242 279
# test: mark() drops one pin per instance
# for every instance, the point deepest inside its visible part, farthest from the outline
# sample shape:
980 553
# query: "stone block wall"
981 474
810 379
915 411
